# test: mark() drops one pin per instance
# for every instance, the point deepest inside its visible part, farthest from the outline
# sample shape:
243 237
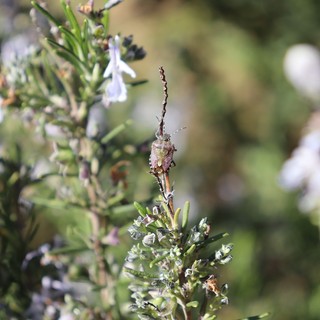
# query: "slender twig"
169 194
98 223
165 100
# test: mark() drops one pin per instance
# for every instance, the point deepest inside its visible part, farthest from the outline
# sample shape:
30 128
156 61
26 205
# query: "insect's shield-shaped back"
161 157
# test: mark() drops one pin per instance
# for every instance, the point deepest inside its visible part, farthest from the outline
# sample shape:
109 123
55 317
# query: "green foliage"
63 84
243 120
17 230
173 277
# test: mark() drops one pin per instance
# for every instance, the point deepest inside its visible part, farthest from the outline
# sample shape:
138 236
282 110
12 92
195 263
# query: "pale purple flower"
302 171
112 239
116 90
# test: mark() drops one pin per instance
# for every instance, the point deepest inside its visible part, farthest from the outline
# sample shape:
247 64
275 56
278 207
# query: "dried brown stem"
165 100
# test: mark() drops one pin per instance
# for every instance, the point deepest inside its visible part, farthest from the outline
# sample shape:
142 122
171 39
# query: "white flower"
302 69
116 90
15 56
302 171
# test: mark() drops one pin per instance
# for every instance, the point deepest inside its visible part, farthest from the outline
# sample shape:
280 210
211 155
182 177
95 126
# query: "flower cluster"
302 171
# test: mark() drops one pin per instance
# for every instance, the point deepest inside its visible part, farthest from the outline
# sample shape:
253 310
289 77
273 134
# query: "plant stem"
187 314
168 191
98 224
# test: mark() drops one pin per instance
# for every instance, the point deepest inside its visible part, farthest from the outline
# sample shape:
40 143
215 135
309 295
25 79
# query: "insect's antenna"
165 99
178 130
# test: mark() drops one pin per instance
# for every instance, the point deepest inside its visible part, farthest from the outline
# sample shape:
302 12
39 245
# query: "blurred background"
224 66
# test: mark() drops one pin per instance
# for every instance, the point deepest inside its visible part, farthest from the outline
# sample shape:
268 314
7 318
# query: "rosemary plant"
64 86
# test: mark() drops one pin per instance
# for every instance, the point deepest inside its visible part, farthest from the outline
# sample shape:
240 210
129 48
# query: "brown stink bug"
162 149
161 157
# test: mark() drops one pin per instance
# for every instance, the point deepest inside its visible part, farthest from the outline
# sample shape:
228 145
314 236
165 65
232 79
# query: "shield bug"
161 157
162 149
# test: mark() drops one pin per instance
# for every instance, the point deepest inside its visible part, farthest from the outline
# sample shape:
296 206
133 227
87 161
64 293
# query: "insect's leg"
160 182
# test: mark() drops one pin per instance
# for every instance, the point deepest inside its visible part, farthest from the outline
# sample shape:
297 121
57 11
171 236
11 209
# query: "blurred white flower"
67 316
302 69
97 121
17 48
302 171
116 90
15 55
